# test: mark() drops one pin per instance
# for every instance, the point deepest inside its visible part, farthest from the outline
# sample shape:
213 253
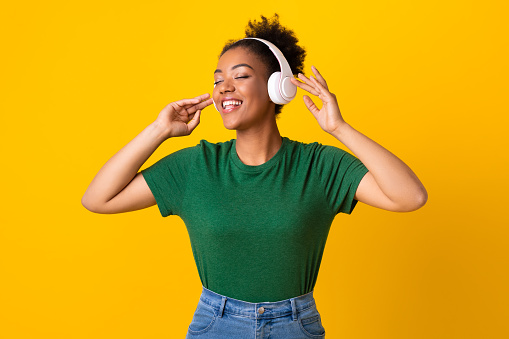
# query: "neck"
257 146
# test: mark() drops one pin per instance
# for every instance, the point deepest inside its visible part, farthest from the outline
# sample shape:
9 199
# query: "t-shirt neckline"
258 168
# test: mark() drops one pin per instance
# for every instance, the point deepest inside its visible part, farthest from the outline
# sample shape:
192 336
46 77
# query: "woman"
257 208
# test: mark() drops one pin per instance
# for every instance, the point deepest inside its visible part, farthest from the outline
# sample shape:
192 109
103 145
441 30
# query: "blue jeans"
218 316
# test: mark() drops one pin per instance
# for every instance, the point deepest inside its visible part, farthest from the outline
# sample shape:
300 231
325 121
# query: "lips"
230 104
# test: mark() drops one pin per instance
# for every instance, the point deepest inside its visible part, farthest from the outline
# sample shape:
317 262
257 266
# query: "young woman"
258 208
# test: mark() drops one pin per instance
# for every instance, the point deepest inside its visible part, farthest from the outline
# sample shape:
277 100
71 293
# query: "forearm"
394 178
120 169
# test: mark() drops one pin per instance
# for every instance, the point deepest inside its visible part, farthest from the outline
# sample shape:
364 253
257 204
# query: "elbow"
85 203
89 205
418 200
421 198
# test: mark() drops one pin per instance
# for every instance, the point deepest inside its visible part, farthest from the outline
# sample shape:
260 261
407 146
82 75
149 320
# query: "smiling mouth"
230 105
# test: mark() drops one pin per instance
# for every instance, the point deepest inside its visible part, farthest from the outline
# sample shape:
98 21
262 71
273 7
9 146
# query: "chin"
230 125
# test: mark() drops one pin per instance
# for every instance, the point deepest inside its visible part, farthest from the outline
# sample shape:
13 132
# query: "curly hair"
284 38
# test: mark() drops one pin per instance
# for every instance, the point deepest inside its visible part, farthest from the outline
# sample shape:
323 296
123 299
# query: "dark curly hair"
285 39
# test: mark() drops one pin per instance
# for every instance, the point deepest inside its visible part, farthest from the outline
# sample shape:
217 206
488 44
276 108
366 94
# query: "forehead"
240 55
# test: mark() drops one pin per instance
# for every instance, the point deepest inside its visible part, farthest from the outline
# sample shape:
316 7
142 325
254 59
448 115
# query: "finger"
324 92
326 96
318 86
204 104
193 101
319 77
202 97
190 109
194 122
307 85
301 85
180 106
311 106
305 79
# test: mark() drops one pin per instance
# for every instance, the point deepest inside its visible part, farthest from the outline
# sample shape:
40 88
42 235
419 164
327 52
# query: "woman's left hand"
329 117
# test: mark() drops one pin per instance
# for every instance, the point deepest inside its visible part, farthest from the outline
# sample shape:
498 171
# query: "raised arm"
118 187
390 184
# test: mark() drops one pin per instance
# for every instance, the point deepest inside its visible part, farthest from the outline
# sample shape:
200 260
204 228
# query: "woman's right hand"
118 187
181 117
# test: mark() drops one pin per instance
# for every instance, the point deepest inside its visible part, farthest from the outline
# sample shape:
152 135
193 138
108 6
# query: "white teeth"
231 103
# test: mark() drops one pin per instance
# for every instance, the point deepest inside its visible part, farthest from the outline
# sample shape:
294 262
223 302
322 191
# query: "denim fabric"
218 316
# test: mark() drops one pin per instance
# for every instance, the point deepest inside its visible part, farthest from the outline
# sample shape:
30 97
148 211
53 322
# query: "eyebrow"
236 66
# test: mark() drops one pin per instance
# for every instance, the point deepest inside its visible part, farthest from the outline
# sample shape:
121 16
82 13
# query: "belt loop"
221 309
294 309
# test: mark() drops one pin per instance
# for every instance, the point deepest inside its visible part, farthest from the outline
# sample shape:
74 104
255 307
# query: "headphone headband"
281 90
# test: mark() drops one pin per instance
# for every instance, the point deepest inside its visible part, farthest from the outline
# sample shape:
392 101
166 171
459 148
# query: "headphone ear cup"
289 90
215 105
273 88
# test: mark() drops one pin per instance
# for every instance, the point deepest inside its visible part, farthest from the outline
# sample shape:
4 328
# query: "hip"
218 316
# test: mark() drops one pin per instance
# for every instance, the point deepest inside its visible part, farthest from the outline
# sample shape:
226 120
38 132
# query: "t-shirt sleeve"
167 179
340 173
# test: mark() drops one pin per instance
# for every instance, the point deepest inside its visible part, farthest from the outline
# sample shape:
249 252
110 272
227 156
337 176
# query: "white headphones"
280 88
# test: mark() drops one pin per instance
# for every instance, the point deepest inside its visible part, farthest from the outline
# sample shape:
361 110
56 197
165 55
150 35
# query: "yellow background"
426 79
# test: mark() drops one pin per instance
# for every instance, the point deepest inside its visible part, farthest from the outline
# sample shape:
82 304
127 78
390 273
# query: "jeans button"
261 310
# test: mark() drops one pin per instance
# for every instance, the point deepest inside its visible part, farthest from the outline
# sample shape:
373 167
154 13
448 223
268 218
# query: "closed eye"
241 77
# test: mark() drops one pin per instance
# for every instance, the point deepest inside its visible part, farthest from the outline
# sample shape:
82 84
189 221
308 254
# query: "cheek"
257 90
262 93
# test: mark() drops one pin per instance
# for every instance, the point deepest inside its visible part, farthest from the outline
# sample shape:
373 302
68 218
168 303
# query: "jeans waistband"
262 310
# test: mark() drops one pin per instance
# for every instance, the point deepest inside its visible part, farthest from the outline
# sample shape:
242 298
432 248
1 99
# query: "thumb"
194 121
311 106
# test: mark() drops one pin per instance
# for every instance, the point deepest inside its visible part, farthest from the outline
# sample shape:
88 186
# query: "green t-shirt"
257 232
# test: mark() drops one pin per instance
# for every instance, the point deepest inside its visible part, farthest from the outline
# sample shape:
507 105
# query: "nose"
226 86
